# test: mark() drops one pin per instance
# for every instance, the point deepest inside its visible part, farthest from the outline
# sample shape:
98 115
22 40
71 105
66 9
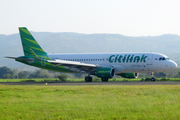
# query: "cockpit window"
163 58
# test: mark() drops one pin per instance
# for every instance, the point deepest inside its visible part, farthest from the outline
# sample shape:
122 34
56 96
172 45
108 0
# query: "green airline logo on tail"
28 42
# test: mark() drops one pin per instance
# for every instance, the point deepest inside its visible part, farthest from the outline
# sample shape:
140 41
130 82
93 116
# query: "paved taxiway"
93 83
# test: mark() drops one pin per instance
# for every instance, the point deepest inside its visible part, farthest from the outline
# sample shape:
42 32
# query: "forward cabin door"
150 60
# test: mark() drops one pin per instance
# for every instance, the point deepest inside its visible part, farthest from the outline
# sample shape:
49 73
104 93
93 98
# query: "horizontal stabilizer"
26 59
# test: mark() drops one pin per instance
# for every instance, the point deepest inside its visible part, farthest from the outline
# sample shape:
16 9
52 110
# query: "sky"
125 17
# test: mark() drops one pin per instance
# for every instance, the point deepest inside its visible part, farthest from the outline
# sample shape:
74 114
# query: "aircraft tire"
104 79
88 79
153 79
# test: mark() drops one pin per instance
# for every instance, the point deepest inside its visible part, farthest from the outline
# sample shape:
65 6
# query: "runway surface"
93 83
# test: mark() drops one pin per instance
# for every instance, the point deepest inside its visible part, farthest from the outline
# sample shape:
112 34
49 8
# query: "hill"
89 43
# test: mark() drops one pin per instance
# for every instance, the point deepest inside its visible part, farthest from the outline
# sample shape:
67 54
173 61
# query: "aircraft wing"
72 65
77 66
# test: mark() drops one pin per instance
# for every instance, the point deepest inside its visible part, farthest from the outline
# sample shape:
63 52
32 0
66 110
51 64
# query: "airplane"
102 65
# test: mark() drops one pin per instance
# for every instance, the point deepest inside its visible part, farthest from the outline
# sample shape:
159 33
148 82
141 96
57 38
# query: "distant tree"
22 74
78 75
160 75
7 76
4 70
39 74
13 74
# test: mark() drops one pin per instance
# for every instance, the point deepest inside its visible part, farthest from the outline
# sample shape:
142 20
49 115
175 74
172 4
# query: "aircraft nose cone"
173 65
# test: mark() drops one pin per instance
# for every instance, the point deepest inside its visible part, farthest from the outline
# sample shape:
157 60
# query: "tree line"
8 73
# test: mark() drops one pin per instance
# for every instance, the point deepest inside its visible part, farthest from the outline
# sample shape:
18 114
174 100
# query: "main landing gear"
104 79
88 79
153 79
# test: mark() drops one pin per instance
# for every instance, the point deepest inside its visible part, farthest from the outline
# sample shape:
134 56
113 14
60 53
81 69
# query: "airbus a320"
102 65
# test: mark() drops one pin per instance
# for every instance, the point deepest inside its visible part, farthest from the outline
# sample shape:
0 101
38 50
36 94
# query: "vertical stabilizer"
28 43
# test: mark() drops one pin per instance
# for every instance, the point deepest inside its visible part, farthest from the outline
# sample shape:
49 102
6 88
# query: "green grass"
90 102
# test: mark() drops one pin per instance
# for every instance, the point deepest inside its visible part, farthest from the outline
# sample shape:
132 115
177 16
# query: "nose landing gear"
153 79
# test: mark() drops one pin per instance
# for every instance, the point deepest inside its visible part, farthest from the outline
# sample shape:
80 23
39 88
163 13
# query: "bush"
164 79
148 79
49 80
63 77
142 79
96 79
124 80
114 79
27 81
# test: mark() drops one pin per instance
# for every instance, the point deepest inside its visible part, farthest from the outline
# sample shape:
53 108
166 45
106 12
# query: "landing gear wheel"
153 79
88 79
104 79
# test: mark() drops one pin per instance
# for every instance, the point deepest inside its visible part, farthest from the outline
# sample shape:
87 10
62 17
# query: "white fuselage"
123 62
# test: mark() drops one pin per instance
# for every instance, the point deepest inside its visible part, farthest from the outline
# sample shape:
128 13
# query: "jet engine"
129 75
105 72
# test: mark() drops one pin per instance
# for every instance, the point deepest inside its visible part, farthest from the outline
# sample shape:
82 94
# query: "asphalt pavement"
94 83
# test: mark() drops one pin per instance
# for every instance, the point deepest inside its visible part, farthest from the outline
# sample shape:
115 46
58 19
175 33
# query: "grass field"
90 102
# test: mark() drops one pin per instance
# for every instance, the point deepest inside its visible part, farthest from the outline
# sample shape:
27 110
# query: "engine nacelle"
129 75
105 72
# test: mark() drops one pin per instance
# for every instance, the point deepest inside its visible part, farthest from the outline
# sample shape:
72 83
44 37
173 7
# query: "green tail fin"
28 42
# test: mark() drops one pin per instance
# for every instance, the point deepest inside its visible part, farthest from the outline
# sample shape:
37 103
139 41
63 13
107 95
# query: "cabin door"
150 60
